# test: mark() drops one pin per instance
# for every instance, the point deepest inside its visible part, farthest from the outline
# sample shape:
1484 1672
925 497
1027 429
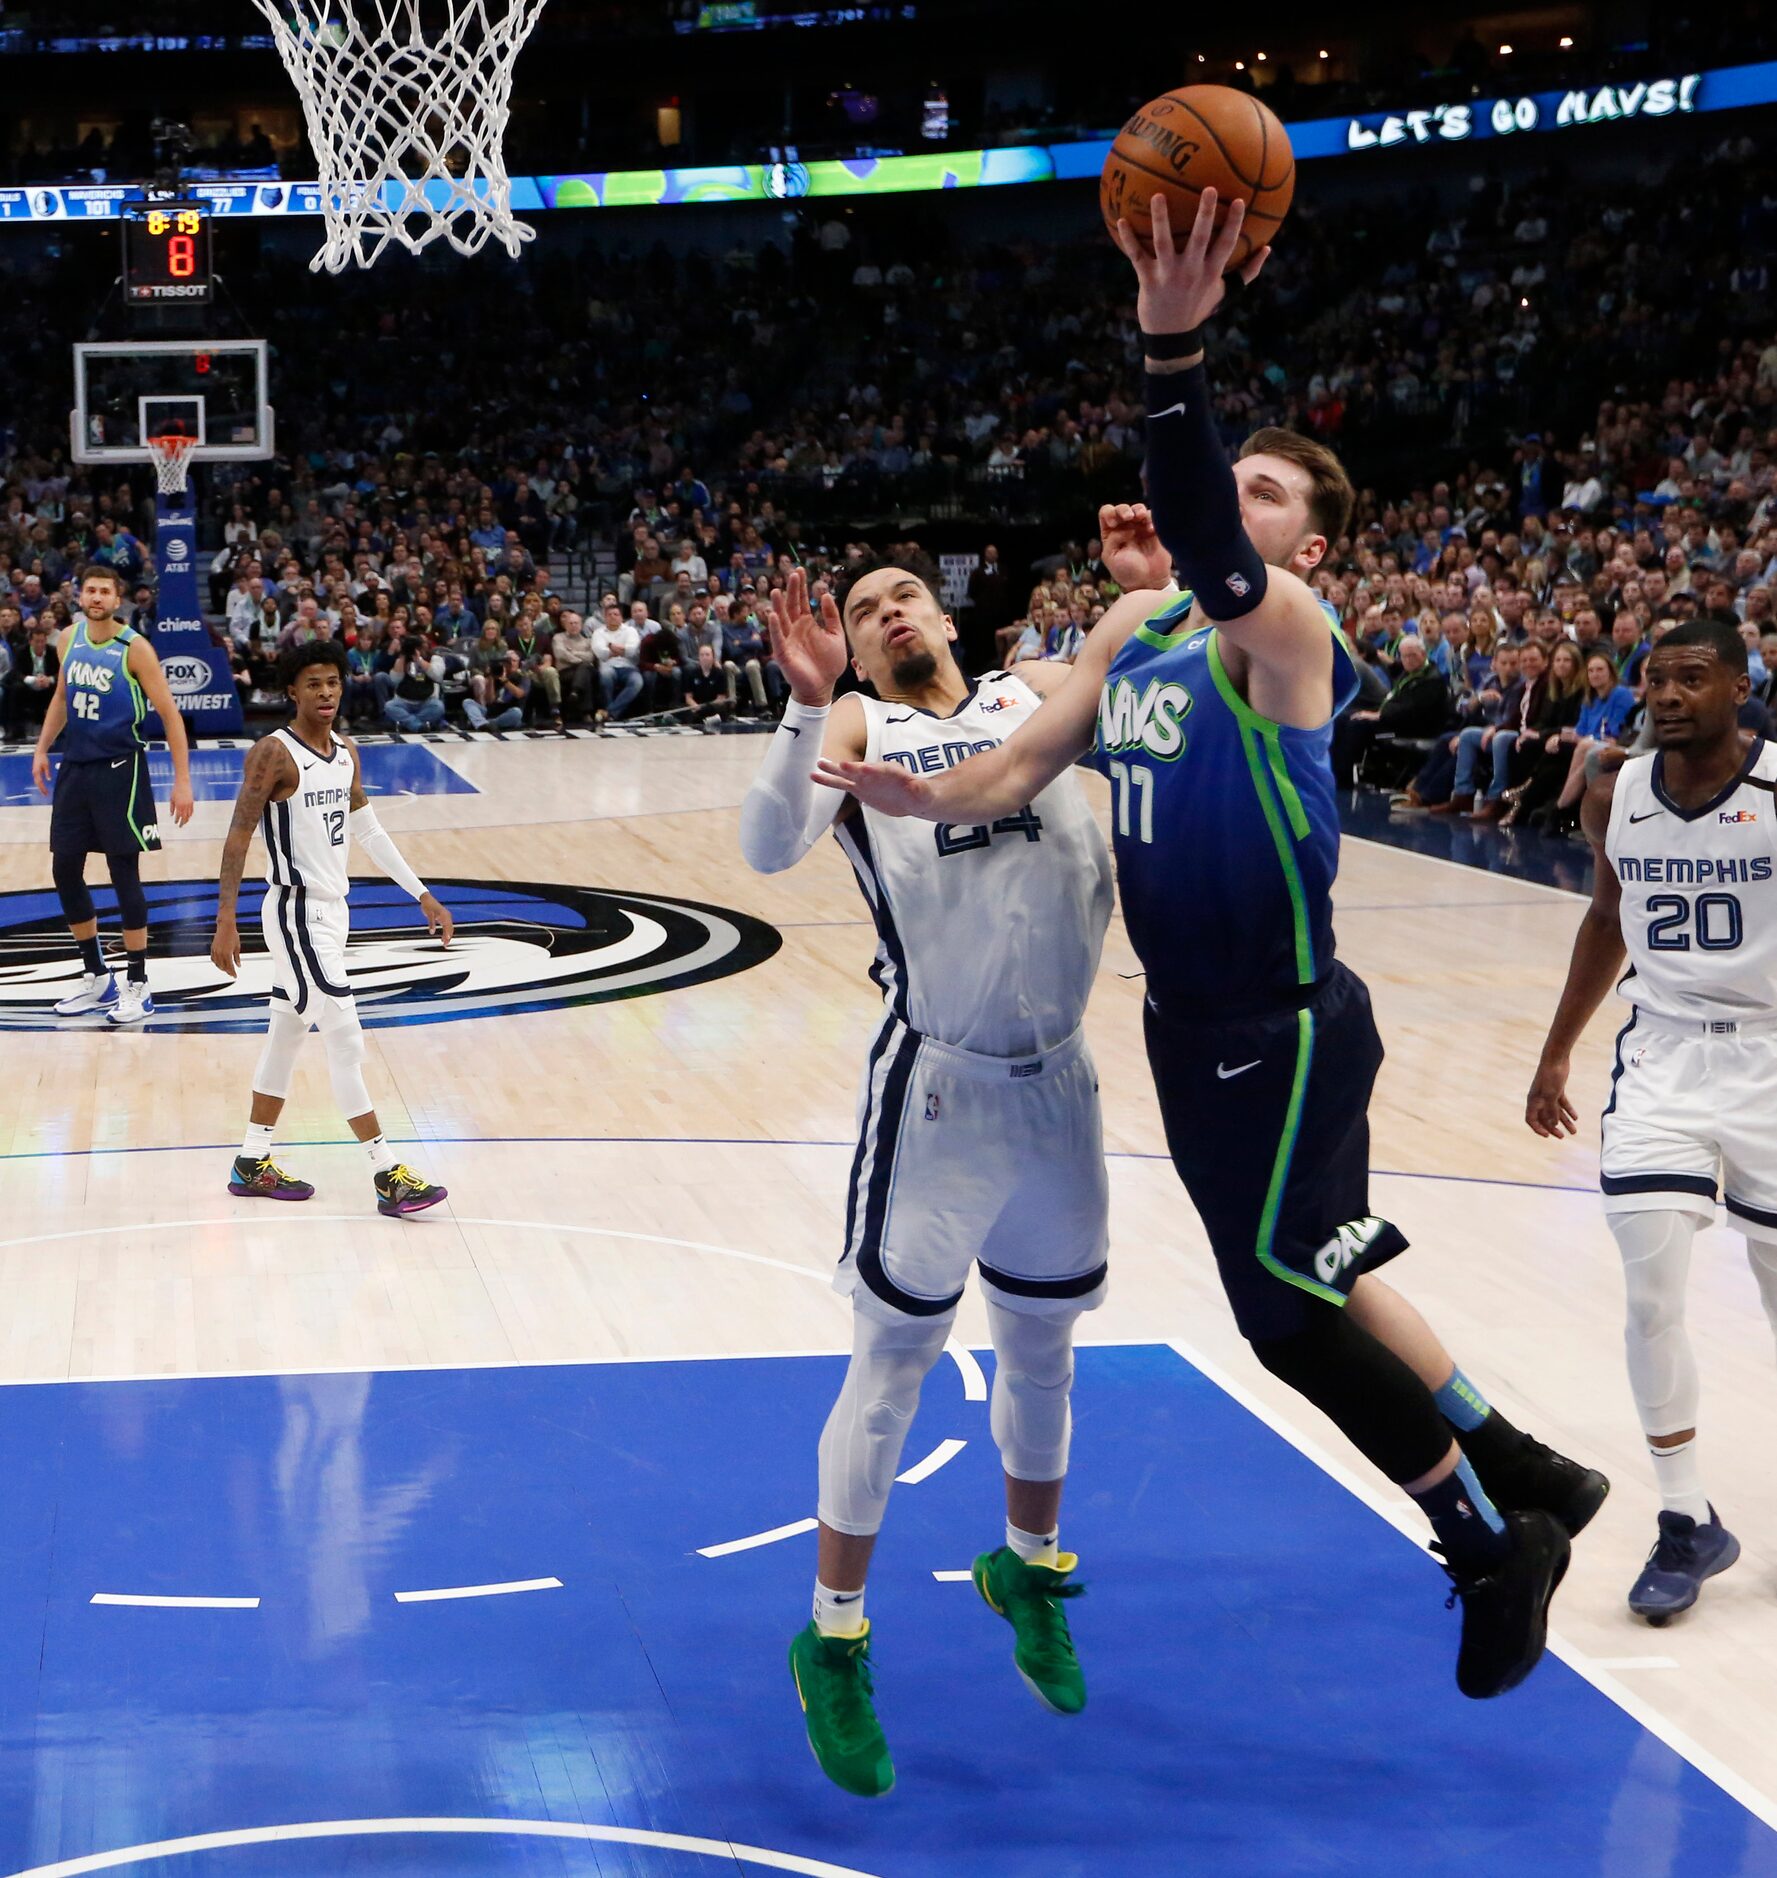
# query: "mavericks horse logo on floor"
519 946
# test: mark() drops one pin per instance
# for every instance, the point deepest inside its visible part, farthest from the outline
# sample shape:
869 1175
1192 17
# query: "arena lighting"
1240 65
1505 52
1565 42
1569 109
1261 57
1324 53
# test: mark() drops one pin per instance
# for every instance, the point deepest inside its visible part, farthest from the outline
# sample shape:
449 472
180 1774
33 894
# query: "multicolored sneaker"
401 1190
265 1180
833 1679
135 1003
1029 1598
98 992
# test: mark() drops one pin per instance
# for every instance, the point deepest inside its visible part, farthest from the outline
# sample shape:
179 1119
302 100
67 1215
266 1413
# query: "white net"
406 102
171 456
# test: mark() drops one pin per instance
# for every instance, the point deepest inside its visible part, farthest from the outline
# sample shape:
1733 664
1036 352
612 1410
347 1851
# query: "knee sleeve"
1372 1397
862 1441
69 872
277 1061
342 1037
1656 1249
126 883
1033 1379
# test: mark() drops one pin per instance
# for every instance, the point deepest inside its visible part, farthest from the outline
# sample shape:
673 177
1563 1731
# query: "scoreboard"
166 254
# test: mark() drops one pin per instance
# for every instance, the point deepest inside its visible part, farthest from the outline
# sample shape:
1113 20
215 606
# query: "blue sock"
1467 1523
1461 1404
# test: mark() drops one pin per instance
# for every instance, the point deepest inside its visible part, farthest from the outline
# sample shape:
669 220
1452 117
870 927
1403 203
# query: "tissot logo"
519 946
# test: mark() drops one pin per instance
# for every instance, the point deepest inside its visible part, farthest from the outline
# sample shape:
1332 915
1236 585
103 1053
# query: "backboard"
128 390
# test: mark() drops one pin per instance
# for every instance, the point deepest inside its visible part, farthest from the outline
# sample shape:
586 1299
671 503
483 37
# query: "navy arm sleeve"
1194 499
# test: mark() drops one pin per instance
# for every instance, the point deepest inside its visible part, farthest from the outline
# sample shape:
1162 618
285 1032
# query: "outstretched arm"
376 841
270 776
1598 953
1003 781
1266 613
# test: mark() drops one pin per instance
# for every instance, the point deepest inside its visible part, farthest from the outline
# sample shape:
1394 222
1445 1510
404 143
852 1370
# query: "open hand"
1182 287
885 787
809 648
438 919
1547 1110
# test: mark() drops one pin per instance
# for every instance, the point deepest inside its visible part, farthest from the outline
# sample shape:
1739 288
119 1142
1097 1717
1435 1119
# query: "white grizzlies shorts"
965 1159
1691 1103
307 942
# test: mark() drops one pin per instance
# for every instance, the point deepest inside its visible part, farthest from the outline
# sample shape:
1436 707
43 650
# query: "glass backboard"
128 390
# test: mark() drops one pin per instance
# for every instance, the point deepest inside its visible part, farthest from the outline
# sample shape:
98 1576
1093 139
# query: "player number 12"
1134 779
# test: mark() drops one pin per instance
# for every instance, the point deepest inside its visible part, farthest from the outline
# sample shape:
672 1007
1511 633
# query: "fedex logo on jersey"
997 703
1681 871
930 760
1739 815
1151 719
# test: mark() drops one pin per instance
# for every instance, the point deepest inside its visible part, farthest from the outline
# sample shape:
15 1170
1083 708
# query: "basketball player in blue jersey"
1684 883
302 791
104 803
1211 711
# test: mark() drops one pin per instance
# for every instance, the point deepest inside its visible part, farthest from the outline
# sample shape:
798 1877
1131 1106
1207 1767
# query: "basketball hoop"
407 102
171 455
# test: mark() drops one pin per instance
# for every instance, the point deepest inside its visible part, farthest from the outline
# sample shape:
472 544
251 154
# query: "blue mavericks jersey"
1226 825
105 704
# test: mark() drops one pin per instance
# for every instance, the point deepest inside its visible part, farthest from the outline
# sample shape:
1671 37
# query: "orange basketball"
1198 137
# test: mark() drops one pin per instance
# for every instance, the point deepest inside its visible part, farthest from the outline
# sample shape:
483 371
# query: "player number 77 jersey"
1699 887
308 836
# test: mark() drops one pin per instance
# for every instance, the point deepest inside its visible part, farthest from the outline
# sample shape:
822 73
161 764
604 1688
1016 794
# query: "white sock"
1680 1481
1035 1548
381 1159
838 1613
256 1142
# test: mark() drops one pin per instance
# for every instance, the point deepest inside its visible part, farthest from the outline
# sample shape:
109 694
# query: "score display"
166 254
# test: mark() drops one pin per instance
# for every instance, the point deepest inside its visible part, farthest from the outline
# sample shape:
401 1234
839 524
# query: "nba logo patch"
931 1108
1239 585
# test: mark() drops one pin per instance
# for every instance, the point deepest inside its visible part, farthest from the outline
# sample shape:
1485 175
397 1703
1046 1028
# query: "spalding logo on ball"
1200 137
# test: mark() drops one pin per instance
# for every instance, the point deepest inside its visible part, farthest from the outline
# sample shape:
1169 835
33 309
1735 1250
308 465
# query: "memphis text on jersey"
936 757
1677 870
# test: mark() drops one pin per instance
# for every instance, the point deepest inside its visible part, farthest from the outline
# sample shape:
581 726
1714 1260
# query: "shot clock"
166 254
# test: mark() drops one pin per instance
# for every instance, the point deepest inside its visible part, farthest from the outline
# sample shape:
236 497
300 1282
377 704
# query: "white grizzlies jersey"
307 836
988 938
1699 891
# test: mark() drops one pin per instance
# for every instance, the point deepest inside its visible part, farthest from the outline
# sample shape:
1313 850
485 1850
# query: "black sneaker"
1527 1477
1505 1611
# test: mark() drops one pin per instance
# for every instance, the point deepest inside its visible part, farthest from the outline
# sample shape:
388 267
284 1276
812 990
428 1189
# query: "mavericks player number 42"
303 793
979 1142
1684 885
109 681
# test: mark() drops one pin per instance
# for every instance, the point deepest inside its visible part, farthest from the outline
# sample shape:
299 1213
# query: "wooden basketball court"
662 1176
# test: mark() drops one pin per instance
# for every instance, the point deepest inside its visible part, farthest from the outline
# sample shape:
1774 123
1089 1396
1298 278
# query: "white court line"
974 1382
479 1591
941 1456
175 1604
954 1578
793 1530
1593 1669
505 1828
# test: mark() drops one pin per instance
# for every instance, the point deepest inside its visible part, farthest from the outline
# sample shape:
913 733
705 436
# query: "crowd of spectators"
708 421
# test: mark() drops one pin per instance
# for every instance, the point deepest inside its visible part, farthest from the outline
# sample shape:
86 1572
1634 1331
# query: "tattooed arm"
270 777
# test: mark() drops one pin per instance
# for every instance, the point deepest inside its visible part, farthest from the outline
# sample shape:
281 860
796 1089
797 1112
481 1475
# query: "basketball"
1195 138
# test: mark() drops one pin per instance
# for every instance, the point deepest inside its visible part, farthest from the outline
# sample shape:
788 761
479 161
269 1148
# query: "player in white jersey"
302 791
1685 882
979 1139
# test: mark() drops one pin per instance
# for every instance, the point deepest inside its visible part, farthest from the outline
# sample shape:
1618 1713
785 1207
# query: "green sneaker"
833 1679
1029 1598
